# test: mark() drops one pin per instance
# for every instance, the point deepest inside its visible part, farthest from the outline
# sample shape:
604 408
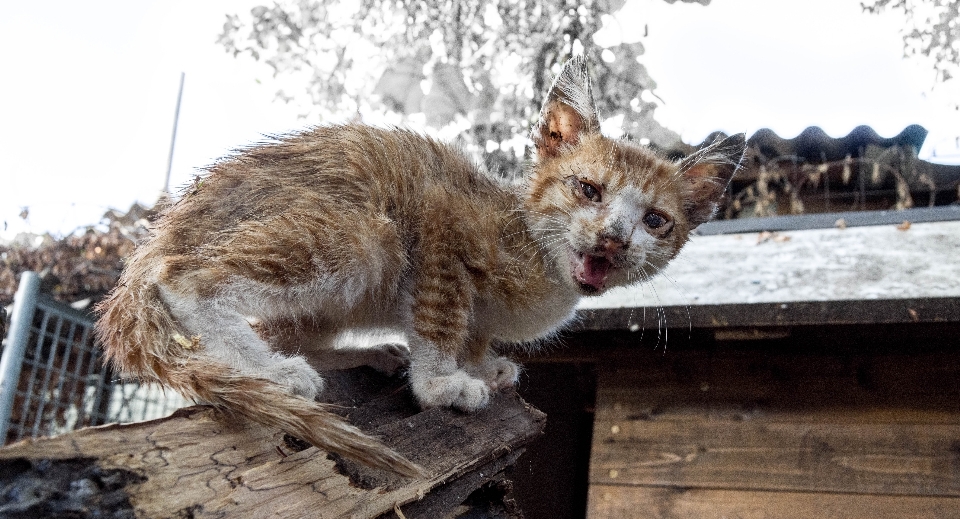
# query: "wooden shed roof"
895 271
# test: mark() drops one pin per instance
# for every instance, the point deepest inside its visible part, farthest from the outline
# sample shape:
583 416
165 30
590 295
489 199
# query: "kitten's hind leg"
226 335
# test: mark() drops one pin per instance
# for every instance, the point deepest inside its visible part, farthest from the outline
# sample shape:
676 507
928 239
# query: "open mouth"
590 272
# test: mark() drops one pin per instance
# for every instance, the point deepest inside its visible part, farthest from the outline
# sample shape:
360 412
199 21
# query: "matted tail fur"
143 339
269 404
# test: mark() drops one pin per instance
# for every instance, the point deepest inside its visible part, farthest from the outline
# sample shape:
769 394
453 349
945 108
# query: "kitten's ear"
568 111
707 172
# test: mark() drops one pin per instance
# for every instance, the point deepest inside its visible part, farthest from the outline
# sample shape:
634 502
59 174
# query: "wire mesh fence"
52 375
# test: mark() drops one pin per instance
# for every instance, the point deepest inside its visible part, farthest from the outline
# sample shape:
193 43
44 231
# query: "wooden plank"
766 455
829 220
887 424
621 502
745 382
785 314
863 263
783 382
197 463
440 501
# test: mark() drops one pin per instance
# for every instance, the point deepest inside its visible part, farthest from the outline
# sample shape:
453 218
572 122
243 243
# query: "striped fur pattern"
250 278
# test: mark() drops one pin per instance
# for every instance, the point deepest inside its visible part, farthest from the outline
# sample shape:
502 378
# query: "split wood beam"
200 463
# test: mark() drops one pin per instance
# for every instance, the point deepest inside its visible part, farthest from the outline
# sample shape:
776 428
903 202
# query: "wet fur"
250 277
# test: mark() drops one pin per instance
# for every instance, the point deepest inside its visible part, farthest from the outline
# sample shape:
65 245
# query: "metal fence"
52 376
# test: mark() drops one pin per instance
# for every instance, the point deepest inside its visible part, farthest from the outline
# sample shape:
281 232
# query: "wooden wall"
784 429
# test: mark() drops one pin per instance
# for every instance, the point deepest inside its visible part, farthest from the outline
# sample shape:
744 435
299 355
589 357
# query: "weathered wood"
618 502
453 496
774 426
775 315
197 463
772 455
899 383
829 220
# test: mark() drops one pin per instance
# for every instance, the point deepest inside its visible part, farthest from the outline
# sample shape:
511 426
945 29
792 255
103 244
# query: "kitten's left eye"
655 220
590 191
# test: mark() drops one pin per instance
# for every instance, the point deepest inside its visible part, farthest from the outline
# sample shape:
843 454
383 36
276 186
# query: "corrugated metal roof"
814 172
815 145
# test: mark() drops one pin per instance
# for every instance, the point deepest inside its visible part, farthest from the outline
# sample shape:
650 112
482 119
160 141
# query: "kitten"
283 246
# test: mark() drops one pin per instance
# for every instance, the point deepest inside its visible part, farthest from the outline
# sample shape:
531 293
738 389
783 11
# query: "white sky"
88 89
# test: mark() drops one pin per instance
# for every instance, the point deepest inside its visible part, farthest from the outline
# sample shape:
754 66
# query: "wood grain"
766 424
778 315
763 455
198 463
622 502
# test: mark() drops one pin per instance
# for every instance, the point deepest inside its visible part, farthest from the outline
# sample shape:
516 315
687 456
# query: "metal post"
24 305
173 138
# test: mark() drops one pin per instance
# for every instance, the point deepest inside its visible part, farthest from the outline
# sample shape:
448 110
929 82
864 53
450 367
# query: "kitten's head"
609 212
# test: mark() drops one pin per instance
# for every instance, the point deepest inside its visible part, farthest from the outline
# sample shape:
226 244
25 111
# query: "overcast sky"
88 90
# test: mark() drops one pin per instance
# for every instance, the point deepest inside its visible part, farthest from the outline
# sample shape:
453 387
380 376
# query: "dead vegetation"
79 268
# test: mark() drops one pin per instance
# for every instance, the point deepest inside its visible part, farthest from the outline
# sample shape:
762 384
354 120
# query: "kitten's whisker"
556 252
525 212
661 316
546 244
542 246
686 297
538 243
549 248
513 219
546 229
525 230
646 281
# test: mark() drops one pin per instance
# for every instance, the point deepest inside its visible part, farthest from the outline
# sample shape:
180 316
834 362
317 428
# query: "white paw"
497 372
388 358
296 375
458 390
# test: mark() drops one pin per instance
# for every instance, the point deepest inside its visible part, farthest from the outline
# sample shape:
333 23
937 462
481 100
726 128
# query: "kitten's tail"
270 404
143 339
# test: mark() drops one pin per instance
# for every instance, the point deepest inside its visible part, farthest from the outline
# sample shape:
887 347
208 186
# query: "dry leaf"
766 236
904 226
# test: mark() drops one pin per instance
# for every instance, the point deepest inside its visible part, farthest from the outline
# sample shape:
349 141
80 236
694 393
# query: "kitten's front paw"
498 372
297 375
458 390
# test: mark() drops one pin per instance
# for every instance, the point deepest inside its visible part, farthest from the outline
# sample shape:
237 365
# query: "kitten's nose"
610 244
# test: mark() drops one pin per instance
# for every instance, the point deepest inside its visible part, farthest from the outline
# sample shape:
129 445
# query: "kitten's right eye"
590 191
655 220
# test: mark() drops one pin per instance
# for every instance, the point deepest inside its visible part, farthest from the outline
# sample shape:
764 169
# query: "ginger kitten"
254 272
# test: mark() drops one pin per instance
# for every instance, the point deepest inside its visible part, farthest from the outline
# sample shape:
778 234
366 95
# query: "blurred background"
89 89
107 105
